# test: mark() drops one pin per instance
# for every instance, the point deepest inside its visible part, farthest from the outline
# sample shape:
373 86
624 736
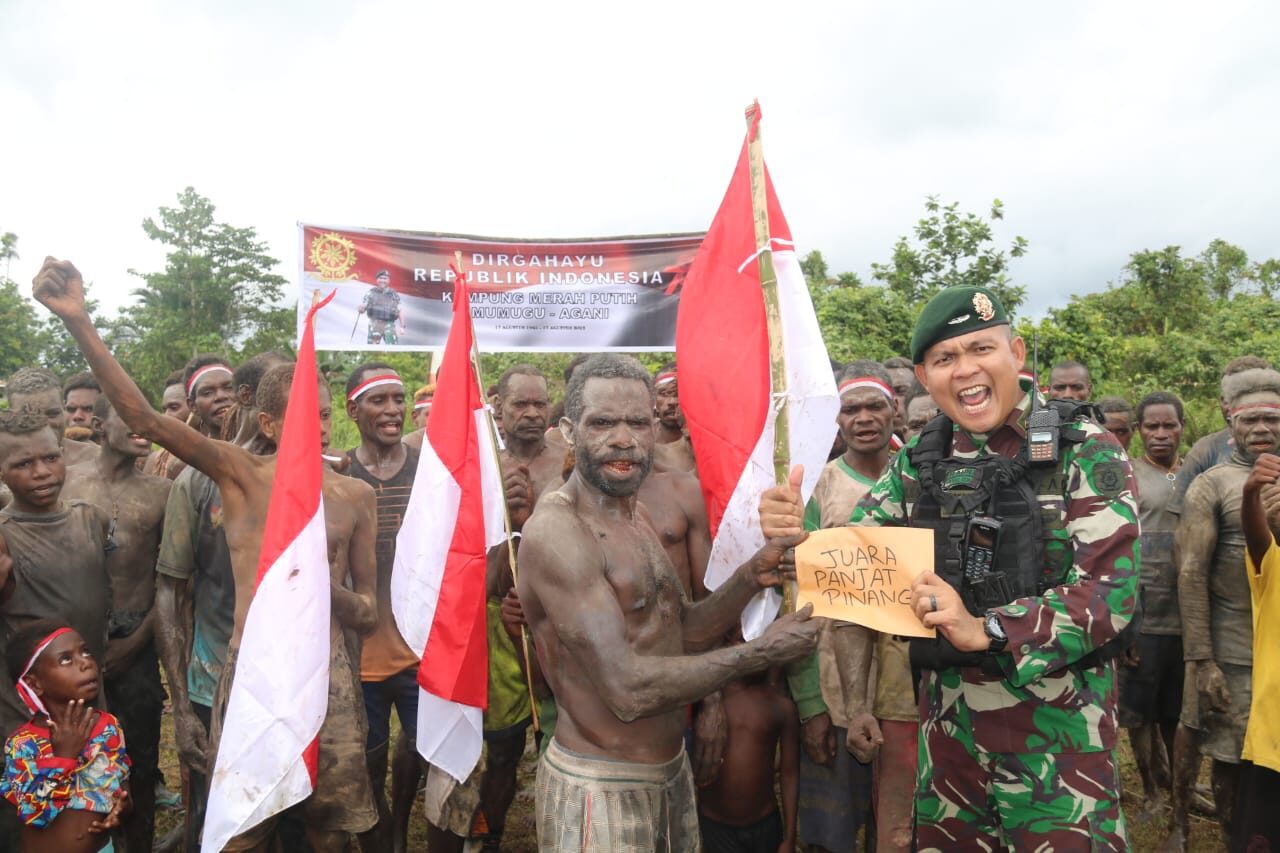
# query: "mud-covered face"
1161 433
1255 423
667 404
272 426
901 379
974 377
613 439
79 407
117 435
865 420
1119 425
174 403
48 403
31 465
920 411
212 397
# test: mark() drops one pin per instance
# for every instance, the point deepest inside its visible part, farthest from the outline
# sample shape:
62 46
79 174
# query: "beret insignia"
982 304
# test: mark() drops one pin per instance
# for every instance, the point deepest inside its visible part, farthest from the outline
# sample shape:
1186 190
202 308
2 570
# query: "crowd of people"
1085 580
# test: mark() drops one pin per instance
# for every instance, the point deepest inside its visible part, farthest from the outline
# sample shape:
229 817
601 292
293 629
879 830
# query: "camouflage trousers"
382 331
972 800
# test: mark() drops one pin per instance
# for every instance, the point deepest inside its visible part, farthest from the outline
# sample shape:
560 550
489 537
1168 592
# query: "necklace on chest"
1171 473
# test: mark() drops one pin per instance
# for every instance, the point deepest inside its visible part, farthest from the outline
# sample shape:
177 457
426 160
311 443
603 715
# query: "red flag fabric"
726 393
454 515
267 755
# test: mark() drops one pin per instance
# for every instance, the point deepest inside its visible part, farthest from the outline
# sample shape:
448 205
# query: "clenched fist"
60 288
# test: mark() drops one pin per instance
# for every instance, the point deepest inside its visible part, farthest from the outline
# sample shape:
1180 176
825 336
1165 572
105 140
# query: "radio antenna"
1035 370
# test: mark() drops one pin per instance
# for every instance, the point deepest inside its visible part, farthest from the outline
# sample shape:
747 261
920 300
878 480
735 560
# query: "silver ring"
933 602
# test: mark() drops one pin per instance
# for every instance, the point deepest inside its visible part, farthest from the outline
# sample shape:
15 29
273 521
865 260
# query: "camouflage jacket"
1043 703
382 305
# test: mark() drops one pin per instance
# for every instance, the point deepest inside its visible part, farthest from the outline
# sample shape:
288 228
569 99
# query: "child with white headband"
65 769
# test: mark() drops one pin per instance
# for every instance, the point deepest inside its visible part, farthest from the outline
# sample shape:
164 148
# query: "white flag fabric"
721 322
454 515
268 751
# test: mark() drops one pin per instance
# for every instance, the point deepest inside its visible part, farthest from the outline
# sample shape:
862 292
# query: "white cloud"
1105 128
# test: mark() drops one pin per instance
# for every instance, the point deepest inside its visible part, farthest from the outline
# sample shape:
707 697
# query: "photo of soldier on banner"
395 289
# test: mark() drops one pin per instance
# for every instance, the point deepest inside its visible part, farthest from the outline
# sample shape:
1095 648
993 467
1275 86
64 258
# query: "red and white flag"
726 389
455 514
267 755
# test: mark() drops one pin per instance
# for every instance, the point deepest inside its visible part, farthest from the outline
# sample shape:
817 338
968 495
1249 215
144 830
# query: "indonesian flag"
455 514
726 392
267 755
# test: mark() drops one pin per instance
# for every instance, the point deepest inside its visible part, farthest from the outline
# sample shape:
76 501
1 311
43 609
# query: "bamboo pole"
506 512
773 314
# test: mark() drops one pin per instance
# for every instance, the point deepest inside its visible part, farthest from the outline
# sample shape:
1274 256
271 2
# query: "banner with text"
395 290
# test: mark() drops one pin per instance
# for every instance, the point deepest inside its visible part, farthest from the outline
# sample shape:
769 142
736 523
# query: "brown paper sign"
863 575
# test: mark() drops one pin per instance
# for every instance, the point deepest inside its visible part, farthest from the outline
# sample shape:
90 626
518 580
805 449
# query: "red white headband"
421 404
865 382
664 378
203 372
28 696
373 382
1273 407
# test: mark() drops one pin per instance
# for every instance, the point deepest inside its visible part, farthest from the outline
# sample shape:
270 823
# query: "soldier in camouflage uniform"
382 304
1022 759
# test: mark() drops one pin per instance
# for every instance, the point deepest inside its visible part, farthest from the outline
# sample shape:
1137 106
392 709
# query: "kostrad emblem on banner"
395 289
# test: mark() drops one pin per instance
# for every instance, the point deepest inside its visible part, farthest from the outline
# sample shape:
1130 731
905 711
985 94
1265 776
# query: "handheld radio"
1043 424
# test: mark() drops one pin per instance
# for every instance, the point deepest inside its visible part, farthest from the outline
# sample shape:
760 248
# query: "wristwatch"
995 632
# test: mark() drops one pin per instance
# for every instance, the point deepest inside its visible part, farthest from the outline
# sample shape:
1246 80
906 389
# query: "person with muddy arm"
1215 605
1257 823
244 482
617 641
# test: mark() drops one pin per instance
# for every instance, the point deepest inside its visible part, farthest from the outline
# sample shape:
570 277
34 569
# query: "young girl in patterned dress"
65 769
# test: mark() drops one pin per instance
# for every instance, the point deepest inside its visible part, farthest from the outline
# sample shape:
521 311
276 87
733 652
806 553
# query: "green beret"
953 312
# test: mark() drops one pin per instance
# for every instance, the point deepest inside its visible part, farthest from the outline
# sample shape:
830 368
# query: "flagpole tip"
753 120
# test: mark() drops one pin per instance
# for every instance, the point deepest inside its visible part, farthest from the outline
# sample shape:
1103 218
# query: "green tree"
1170 322
58 350
952 247
217 293
949 247
21 337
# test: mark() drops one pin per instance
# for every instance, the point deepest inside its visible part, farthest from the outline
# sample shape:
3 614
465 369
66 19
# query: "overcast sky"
1105 128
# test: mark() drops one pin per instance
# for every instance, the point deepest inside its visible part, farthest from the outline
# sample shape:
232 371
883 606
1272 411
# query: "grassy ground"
1145 832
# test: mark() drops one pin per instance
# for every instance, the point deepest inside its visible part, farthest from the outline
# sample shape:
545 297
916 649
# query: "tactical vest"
383 306
952 491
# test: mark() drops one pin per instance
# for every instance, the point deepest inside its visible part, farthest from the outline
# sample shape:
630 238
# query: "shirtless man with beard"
617 639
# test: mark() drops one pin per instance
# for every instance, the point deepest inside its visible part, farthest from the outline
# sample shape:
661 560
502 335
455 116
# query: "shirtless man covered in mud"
616 637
